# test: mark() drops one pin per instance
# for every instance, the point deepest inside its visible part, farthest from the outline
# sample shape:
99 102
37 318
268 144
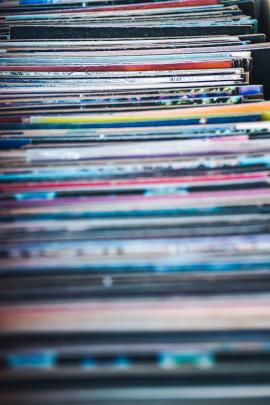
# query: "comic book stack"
134 203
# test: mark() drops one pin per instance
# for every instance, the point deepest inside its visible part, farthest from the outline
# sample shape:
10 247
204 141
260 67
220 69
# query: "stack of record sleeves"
134 203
